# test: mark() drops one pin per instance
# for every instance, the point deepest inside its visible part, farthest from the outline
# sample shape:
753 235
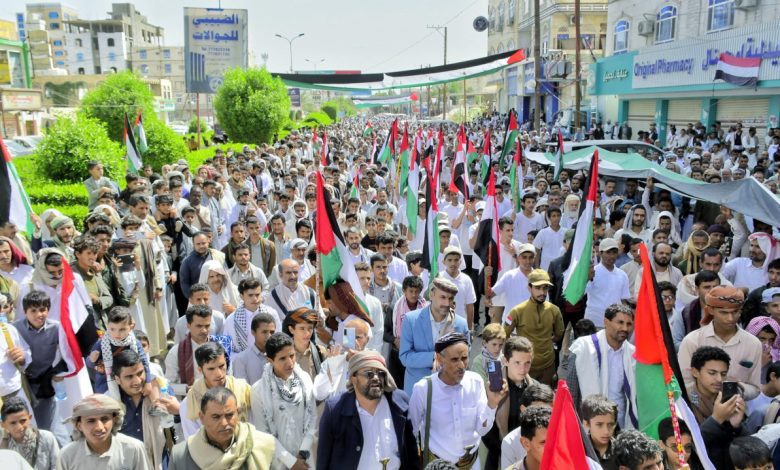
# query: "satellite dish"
480 24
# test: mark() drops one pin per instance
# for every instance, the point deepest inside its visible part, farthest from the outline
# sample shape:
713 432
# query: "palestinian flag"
372 153
471 155
141 133
487 241
516 178
14 204
368 130
658 374
565 448
431 247
575 278
355 191
413 187
336 264
325 151
459 176
559 158
404 161
133 155
509 136
388 149
487 155
438 158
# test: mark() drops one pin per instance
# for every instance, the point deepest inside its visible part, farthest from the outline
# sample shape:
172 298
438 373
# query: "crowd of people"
210 341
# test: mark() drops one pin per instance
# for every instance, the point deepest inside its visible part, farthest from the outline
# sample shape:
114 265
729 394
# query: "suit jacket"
341 434
417 342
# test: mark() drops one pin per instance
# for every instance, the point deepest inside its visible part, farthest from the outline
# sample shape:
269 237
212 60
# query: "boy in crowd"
750 453
599 416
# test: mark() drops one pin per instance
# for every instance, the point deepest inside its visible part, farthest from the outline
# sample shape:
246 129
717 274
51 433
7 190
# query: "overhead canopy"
746 196
373 101
413 78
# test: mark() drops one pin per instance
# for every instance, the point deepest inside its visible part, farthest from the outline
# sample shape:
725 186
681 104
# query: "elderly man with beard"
97 419
461 410
223 441
354 428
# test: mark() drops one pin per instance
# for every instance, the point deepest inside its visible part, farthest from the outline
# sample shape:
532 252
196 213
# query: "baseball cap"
539 277
526 248
608 244
480 206
769 294
452 249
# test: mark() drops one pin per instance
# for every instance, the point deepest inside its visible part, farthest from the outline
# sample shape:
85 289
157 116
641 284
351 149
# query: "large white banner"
214 40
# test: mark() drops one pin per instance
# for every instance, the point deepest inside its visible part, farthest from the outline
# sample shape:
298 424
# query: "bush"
193 127
317 119
196 158
165 146
251 105
69 144
121 93
331 109
57 194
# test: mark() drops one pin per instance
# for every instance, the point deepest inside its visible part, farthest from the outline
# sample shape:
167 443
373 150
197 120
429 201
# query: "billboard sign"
295 96
215 40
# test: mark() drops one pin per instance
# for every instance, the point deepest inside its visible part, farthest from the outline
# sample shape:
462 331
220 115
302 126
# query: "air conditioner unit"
646 27
573 20
745 4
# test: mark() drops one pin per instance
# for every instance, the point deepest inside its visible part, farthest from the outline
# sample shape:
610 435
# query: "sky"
365 35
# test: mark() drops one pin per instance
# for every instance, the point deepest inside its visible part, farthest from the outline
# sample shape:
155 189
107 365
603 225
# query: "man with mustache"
604 363
461 409
353 427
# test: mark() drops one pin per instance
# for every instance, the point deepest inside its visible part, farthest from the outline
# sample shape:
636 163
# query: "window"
142 54
54 26
166 53
81 70
60 62
57 43
80 57
720 15
110 42
168 68
79 43
665 22
53 15
621 36
59 53
144 68
112 56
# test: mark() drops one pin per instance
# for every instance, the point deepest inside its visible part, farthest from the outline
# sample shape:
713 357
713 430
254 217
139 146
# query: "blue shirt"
134 417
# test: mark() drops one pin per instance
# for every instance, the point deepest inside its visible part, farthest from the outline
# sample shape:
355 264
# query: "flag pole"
675 426
487 278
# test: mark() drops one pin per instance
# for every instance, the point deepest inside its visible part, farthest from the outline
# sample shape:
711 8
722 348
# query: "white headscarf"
228 294
674 235
47 216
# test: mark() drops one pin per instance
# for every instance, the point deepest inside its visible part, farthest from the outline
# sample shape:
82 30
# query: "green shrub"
57 194
331 110
69 144
165 146
121 93
317 119
193 127
196 158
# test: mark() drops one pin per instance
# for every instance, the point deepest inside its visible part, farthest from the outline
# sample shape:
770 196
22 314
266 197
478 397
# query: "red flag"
564 449
71 322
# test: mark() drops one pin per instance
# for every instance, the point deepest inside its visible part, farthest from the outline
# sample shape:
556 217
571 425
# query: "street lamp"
315 63
289 41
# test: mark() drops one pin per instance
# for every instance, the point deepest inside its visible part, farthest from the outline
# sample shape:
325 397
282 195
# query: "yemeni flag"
368 130
516 177
133 155
325 151
141 133
404 161
487 241
459 178
559 158
739 71
658 375
575 278
14 204
565 448
509 136
431 247
413 187
336 264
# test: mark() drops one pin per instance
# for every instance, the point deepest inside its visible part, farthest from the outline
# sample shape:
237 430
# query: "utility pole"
537 68
577 67
289 41
444 90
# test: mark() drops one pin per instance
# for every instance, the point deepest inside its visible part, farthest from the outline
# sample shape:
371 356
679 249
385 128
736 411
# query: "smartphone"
495 376
348 340
128 263
729 390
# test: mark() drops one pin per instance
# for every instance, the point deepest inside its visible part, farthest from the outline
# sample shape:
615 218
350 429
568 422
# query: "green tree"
165 146
121 93
251 105
69 144
193 126
331 109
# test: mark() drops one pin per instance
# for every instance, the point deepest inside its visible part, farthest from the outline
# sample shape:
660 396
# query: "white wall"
118 52
73 50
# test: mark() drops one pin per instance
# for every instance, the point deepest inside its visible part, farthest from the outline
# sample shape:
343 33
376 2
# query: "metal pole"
465 116
537 68
289 41
444 101
577 68
197 114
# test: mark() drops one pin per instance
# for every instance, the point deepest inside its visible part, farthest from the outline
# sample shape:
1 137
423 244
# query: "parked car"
179 127
29 141
17 149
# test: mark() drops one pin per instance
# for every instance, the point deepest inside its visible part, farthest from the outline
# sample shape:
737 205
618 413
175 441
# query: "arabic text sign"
214 41
693 62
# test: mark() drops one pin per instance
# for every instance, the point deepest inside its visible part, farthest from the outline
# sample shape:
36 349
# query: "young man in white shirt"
549 240
527 220
466 296
608 284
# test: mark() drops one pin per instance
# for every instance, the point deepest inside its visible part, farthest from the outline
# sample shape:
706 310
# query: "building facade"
662 61
511 27
46 25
